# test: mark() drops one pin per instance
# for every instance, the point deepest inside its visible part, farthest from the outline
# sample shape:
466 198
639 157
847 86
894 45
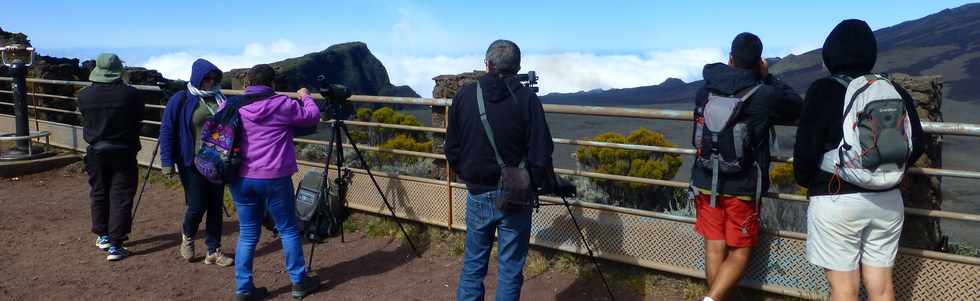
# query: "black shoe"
256 294
307 286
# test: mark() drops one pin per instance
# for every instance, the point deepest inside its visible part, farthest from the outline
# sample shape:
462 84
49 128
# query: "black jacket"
849 50
111 114
519 128
773 103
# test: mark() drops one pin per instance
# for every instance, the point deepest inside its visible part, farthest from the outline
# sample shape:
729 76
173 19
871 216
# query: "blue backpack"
220 157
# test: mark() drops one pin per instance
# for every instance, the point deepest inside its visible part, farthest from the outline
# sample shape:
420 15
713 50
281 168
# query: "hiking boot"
103 242
116 253
218 258
186 247
306 286
256 294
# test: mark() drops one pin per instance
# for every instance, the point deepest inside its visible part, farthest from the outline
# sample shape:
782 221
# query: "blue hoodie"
177 135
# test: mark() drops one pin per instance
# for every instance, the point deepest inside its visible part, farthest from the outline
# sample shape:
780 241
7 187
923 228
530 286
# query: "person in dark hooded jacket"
847 225
180 139
521 133
731 227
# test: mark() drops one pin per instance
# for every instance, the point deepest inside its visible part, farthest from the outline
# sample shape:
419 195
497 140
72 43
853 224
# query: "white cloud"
177 65
559 72
564 72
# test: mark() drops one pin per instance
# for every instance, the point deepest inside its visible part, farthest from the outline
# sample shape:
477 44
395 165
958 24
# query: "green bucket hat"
108 68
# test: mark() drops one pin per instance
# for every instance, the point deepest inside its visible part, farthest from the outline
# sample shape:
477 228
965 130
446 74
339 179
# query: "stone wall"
920 191
446 87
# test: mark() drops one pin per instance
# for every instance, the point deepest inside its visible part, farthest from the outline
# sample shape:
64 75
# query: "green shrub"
634 163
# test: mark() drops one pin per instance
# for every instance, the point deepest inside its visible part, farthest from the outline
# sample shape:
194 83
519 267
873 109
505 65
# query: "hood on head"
200 69
726 79
851 49
495 88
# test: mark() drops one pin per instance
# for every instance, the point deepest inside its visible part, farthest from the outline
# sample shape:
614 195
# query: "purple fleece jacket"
267 146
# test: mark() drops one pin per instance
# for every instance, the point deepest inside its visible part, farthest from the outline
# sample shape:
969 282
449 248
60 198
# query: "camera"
530 80
337 106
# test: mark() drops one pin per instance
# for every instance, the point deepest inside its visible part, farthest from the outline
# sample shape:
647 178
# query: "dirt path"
47 253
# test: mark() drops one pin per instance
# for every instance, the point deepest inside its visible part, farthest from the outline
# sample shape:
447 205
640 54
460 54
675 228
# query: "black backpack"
320 211
721 136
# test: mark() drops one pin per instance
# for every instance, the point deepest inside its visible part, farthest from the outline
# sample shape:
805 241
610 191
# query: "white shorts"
845 229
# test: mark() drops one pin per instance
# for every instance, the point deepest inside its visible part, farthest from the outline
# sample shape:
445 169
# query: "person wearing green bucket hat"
112 113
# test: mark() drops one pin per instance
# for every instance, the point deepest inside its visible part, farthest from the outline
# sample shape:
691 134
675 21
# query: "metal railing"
940 128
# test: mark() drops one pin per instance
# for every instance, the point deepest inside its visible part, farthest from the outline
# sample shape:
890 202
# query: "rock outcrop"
351 64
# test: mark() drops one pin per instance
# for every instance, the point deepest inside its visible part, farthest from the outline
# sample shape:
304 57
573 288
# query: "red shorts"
734 220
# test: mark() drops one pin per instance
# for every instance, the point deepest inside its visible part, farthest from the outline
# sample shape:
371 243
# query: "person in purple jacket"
180 133
265 183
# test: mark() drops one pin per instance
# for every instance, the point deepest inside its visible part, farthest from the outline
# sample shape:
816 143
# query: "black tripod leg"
341 182
595 262
380 191
146 178
324 192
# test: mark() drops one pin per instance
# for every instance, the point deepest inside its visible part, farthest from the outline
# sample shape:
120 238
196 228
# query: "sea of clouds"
560 72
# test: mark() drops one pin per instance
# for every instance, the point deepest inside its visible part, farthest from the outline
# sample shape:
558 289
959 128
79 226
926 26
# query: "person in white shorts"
852 232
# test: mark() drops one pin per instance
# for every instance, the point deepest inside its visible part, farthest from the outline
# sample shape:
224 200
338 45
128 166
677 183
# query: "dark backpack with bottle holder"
721 137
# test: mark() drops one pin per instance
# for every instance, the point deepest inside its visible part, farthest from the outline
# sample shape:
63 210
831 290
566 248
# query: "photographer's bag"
321 213
876 142
219 158
514 186
721 137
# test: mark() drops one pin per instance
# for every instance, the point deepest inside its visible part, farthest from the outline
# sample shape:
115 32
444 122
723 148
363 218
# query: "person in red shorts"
735 112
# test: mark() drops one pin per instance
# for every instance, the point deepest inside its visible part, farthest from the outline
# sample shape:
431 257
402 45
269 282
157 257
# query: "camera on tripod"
530 80
337 106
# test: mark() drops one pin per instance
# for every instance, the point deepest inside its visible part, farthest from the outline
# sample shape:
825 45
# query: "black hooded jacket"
111 114
850 50
519 128
773 103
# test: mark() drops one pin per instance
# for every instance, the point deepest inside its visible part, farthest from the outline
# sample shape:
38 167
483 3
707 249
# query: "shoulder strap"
486 123
842 79
850 104
748 93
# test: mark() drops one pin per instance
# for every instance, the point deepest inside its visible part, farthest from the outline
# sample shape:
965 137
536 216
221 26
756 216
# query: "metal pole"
18 70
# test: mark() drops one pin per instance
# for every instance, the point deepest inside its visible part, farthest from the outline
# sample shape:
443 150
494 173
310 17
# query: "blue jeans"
252 197
514 232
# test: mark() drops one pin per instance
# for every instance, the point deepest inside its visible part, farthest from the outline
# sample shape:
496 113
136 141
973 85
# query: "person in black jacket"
520 130
847 224
731 227
111 119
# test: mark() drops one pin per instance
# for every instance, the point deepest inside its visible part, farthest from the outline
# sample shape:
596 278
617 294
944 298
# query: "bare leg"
715 252
844 285
878 282
729 273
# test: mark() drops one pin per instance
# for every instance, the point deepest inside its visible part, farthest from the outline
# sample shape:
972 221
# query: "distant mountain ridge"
946 43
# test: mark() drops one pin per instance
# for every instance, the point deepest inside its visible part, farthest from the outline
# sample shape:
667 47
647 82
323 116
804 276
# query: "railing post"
446 87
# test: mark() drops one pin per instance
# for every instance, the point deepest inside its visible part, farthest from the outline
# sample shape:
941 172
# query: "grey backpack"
720 137
876 142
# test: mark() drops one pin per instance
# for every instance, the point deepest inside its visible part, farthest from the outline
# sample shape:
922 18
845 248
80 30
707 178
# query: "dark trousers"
202 197
113 180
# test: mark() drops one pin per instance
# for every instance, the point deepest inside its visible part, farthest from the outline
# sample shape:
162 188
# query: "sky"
573 45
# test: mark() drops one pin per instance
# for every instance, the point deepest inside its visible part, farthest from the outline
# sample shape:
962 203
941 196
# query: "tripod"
595 262
339 130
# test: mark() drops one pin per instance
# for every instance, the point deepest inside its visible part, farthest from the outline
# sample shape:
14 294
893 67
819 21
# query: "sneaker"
218 258
256 294
103 242
186 247
117 253
307 286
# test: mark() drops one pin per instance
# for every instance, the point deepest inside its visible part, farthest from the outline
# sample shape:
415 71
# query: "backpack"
220 157
320 211
514 190
876 141
722 138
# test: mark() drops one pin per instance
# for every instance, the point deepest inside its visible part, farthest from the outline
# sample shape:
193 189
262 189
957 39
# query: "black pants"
113 180
202 197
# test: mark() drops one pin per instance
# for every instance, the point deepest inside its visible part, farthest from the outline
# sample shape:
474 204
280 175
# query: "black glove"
564 188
